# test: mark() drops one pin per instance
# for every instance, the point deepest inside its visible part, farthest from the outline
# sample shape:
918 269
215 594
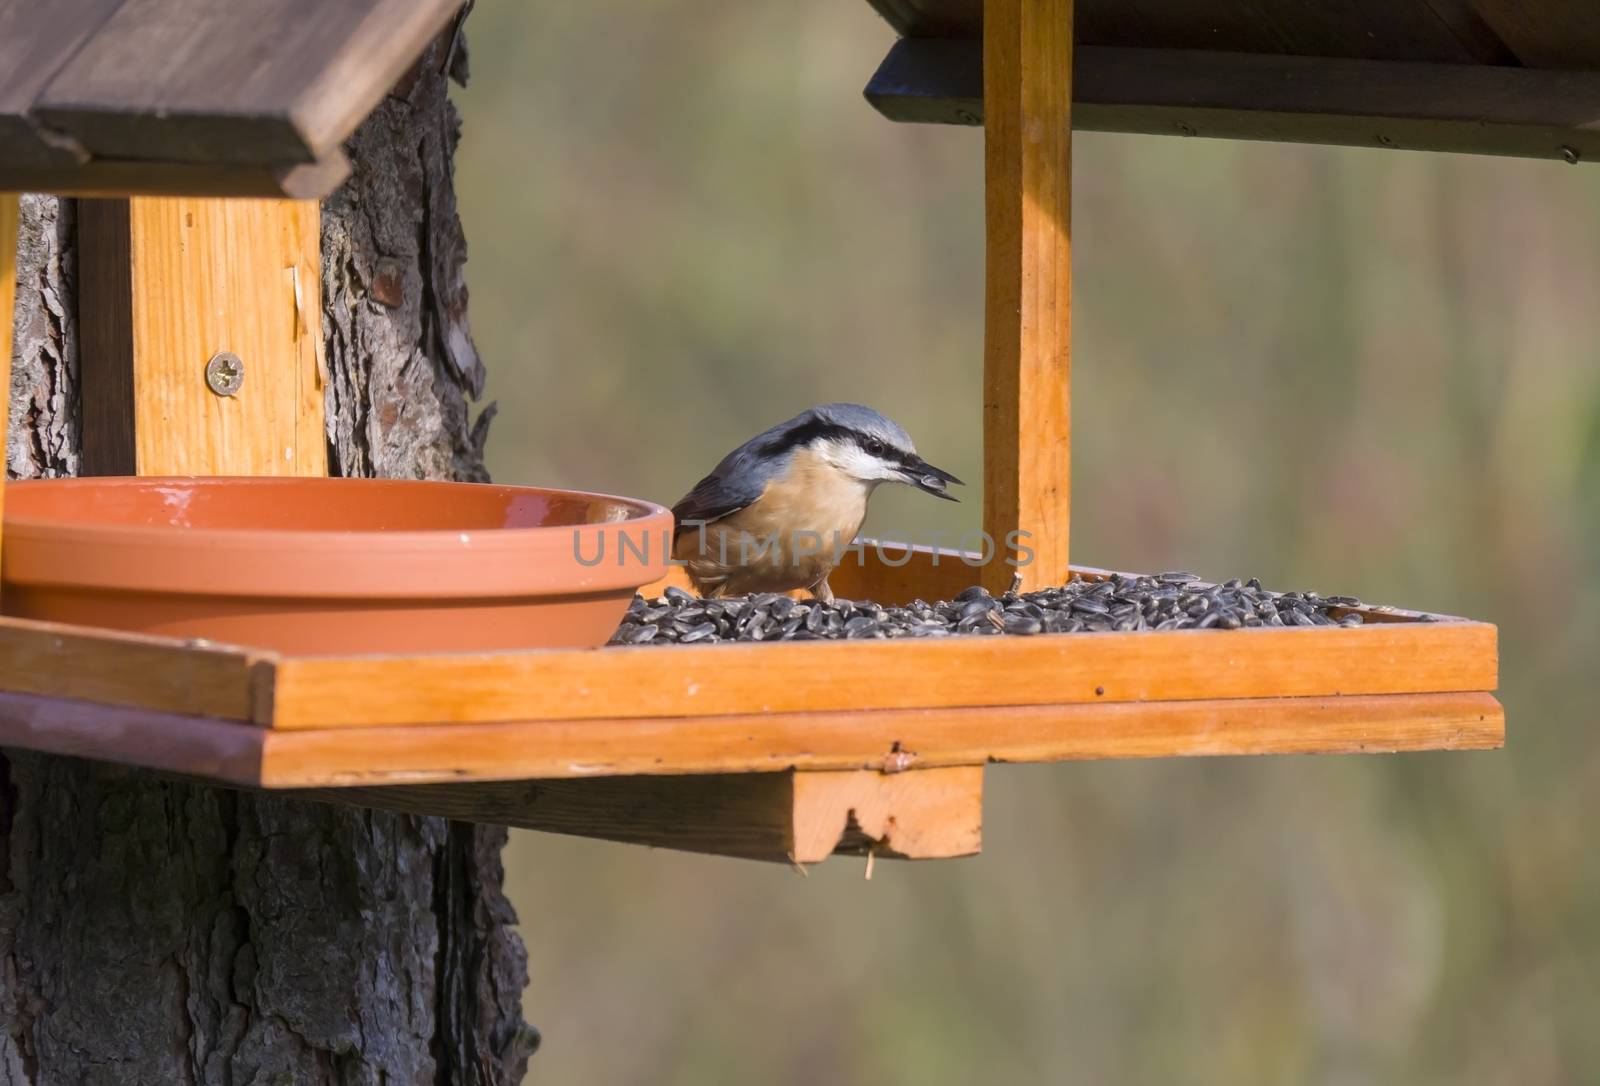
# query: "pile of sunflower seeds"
1169 601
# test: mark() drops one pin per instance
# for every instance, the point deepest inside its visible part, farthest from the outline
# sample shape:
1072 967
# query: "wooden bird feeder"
735 749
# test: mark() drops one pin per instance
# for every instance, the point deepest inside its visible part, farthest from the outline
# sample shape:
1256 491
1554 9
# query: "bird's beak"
924 476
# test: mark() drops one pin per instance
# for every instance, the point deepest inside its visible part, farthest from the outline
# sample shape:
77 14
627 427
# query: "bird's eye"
874 446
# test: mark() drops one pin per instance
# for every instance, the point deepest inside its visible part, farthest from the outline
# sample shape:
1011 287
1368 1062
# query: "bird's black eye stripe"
806 434
814 429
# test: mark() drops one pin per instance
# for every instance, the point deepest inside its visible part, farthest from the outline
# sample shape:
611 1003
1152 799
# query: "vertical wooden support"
9 239
1027 90
168 283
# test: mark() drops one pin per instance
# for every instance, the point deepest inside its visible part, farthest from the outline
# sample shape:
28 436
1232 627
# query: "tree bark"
166 933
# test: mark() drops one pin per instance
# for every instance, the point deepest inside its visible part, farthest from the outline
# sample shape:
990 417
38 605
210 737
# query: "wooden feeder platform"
785 751
843 745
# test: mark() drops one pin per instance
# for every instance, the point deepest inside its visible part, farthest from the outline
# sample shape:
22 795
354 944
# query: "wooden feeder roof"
1484 76
197 97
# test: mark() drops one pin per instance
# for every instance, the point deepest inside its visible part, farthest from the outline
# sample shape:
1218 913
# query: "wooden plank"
933 18
154 673
894 574
783 817
880 740
710 680
194 747
873 740
1546 33
271 81
35 41
1420 30
9 241
174 281
108 177
105 328
940 81
923 814
1027 70
1433 107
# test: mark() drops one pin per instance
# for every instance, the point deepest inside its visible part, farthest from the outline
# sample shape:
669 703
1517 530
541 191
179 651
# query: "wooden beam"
785 817
1468 108
168 283
892 740
1422 30
876 740
1027 68
9 241
109 177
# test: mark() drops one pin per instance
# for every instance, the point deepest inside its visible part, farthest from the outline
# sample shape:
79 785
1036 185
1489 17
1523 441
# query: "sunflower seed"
1170 601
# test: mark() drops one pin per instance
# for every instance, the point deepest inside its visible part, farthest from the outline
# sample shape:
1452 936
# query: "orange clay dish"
318 566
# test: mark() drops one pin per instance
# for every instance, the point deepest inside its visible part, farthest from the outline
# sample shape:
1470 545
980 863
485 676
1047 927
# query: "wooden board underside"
782 817
767 742
1365 103
1531 33
107 177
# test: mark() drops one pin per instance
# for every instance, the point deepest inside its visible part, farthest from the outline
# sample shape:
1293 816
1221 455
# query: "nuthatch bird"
778 512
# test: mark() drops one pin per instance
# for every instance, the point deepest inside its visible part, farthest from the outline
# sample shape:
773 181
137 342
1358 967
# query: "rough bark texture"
402 358
165 933
43 437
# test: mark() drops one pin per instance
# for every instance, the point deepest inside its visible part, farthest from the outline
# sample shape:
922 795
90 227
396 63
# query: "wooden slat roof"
1529 33
1517 77
197 95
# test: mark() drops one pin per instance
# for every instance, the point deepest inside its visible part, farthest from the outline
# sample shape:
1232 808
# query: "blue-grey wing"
711 500
738 481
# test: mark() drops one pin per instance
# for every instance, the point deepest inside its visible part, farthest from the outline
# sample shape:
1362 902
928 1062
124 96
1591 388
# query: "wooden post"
167 284
9 214
1027 88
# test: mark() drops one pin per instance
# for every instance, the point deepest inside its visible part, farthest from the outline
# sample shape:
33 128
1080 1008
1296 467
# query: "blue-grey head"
856 441
865 445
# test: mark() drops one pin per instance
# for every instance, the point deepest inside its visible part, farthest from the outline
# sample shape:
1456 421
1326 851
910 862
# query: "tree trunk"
165 933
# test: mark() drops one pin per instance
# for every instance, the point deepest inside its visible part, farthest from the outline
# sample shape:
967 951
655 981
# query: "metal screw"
224 373
1570 154
966 116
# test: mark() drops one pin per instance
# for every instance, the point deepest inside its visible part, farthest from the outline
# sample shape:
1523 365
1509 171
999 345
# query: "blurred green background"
1364 372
